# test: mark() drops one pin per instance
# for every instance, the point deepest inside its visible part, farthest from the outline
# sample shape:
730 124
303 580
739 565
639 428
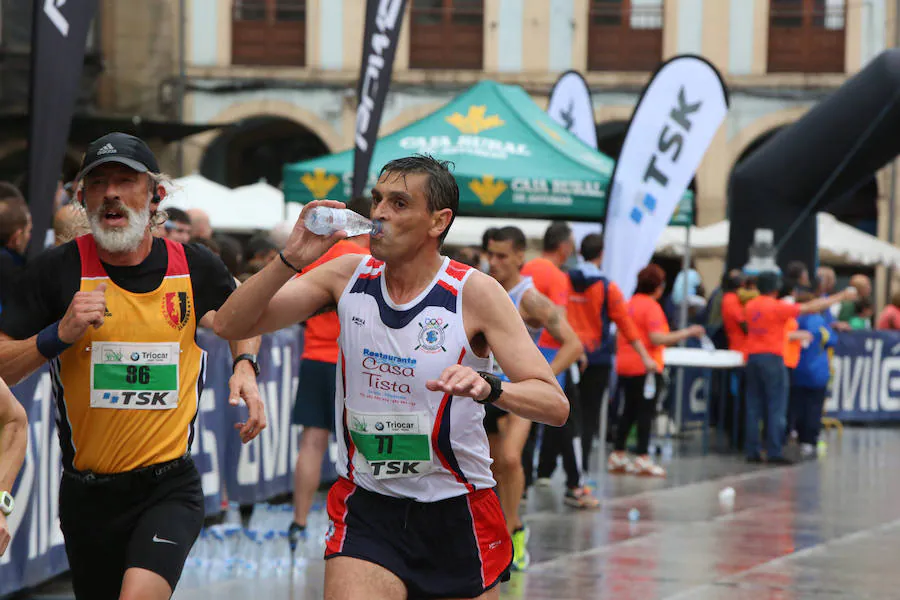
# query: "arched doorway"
256 149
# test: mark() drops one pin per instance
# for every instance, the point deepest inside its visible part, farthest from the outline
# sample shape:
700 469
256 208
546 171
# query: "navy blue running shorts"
453 548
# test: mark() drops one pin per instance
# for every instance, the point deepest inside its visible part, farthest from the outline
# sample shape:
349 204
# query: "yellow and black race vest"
128 392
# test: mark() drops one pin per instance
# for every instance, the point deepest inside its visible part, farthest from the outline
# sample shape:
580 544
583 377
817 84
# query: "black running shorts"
314 406
147 518
491 415
454 548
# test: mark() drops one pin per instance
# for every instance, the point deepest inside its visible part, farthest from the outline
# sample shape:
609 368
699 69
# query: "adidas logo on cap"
107 149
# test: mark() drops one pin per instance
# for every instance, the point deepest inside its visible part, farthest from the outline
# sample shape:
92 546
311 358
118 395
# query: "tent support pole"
682 323
876 122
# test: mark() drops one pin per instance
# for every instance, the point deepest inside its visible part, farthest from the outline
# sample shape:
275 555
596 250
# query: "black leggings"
636 409
561 441
594 382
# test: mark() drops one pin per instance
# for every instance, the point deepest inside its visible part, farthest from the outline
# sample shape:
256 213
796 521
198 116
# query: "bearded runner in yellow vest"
116 313
136 379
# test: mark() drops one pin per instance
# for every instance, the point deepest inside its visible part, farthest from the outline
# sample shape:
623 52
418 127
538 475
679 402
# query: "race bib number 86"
127 375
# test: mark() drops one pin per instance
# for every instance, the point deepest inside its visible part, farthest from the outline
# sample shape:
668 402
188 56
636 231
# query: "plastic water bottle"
726 496
324 220
196 565
286 517
282 554
230 553
233 514
218 557
650 386
249 555
268 561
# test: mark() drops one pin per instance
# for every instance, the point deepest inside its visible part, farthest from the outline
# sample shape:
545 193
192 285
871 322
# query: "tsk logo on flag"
673 125
475 121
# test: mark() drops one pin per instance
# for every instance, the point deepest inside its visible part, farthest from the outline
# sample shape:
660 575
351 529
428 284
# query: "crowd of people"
494 387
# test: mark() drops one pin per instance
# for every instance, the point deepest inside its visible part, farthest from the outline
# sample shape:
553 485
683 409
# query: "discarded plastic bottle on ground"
324 220
650 386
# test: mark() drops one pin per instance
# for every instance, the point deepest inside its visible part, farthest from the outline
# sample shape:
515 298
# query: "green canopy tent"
511 159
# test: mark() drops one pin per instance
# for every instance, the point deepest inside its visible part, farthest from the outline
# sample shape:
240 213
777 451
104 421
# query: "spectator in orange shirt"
733 321
594 303
314 406
550 280
653 328
735 329
767 379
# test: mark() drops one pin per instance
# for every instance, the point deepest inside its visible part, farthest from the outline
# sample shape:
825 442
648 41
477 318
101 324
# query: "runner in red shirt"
314 406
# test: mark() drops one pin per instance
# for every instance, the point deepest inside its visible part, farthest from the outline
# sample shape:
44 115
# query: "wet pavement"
828 528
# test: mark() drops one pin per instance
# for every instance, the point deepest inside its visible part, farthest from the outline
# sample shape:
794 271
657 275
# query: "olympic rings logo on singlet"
431 335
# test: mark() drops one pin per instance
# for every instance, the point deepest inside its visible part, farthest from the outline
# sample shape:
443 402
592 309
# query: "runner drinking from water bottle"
414 513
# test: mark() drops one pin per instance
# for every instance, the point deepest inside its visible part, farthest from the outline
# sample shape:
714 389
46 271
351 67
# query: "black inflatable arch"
851 134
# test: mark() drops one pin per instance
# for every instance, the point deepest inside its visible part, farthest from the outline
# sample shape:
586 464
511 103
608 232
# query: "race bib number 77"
393 445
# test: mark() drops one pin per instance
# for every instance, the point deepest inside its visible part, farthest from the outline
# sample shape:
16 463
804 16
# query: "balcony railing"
268 32
446 34
806 38
624 38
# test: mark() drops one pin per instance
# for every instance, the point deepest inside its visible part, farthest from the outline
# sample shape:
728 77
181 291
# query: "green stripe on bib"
152 378
392 447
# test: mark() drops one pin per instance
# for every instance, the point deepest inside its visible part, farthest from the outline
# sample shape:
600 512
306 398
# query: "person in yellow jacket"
116 313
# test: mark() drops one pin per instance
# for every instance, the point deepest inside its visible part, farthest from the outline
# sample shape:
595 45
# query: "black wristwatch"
496 387
251 358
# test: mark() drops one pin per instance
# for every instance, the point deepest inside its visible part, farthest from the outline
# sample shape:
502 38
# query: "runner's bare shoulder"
336 273
482 298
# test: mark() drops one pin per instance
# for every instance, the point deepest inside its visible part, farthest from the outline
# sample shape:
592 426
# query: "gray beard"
124 239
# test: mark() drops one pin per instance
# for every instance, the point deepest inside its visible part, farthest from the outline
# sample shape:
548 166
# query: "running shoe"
296 534
617 462
581 497
521 558
643 466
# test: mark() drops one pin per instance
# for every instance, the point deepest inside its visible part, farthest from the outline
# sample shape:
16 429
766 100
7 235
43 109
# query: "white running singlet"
395 437
516 294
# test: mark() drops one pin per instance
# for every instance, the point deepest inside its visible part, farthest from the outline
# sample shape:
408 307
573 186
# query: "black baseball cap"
118 147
